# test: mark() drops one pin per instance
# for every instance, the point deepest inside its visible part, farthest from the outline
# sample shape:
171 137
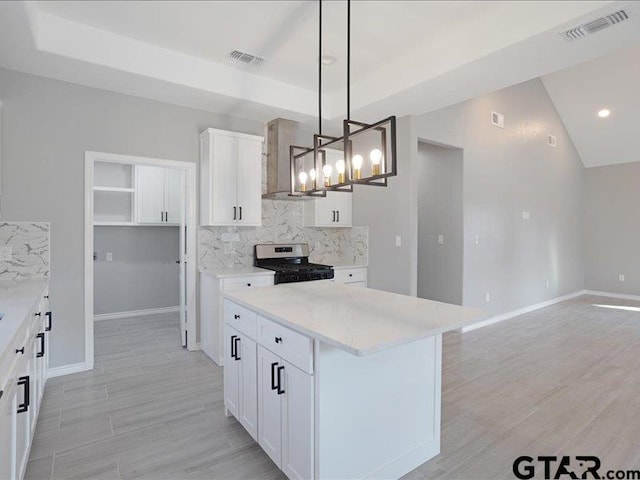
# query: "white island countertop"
232 272
17 298
357 320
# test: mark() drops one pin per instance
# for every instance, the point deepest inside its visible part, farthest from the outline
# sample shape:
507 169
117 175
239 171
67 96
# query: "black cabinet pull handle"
24 406
39 314
237 341
234 213
161 216
46 296
1 393
41 352
20 350
233 346
280 389
334 215
351 274
49 316
338 216
248 284
278 339
273 376
240 212
236 316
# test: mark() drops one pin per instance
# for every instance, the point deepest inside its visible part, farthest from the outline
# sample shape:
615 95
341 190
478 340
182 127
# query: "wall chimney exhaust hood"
281 133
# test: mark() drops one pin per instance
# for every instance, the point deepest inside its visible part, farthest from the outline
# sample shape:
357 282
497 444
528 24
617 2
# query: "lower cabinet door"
231 372
297 423
22 425
247 350
270 404
8 407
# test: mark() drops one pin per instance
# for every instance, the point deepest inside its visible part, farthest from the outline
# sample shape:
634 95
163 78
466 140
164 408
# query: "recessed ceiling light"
604 113
328 60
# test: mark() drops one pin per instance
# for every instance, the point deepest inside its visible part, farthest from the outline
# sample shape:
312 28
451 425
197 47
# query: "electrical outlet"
108 256
476 239
440 239
6 253
227 237
526 215
487 297
621 277
398 241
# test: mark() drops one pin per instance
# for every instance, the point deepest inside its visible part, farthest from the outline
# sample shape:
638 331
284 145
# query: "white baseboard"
612 295
67 369
135 313
521 311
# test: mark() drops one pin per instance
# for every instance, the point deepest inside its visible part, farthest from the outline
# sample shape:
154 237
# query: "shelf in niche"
114 189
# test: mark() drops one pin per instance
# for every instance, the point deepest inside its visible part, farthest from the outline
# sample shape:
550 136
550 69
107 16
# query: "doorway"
140 237
440 223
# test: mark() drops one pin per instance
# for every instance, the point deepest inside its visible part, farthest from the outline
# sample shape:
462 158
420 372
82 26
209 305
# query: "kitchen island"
335 381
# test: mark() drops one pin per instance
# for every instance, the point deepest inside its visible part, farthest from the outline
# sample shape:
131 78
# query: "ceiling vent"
245 58
584 29
552 141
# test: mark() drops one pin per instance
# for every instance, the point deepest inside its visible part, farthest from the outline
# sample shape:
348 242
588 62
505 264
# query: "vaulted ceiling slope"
611 82
409 57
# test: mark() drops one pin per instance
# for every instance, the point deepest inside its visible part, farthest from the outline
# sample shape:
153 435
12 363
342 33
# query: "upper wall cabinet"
158 195
230 178
332 211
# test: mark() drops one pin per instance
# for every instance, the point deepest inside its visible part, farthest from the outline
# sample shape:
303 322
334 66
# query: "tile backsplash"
29 246
282 223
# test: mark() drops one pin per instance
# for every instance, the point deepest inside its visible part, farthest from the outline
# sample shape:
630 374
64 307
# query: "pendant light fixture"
365 154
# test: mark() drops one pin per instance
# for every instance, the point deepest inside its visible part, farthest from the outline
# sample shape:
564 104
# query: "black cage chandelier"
365 154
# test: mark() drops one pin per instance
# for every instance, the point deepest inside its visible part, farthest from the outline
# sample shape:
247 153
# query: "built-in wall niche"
113 194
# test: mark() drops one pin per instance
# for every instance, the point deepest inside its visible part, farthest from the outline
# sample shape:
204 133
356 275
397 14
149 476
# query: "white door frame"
191 221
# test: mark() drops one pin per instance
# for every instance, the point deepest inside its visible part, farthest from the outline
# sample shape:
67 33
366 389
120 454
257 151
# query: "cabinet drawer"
240 318
247 282
287 344
350 275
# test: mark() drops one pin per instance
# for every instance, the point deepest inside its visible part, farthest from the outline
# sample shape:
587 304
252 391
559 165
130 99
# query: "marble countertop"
346 267
17 298
357 320
231 272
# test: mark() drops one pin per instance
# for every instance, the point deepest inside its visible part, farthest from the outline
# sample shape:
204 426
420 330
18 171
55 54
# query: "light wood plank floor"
564 380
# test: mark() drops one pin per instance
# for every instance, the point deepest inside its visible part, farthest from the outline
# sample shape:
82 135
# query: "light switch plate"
109 256
487 297
398 241
440 239
6 253
621 277
526 215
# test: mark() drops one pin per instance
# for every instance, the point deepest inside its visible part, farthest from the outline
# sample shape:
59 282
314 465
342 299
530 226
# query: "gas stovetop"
290 262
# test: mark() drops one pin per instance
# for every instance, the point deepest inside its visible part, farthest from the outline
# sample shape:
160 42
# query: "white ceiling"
408 57
580 92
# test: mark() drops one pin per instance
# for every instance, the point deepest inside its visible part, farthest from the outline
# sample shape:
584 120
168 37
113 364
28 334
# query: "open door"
180 176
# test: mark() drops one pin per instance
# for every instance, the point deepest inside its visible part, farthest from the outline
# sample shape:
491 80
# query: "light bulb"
340 167
312 174
303 181
356 161
326 172
376 156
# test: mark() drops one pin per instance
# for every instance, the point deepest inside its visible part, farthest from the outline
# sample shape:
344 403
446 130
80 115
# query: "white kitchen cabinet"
240 379
285 414
158 195
23 373
332 211
355 276
230 178
212 287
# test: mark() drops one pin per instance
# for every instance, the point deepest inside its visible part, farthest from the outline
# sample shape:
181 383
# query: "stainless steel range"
290 262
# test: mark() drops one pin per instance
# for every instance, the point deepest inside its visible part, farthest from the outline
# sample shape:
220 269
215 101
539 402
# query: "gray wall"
143 273
391 212
46 128
612 228
508 171
440 212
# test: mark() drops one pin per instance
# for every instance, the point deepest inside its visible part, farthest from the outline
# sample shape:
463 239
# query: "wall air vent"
245 58
584 29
